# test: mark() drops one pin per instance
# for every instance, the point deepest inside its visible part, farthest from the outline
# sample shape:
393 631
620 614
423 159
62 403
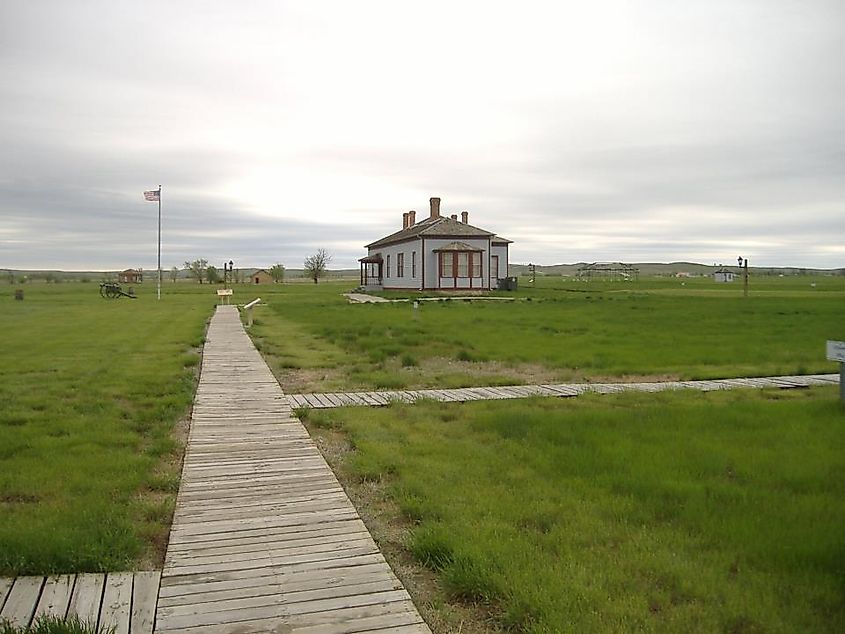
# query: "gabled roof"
457 246
501 240
441 226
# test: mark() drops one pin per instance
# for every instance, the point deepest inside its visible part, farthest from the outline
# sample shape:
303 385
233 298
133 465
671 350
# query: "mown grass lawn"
565 331
91 394
668 512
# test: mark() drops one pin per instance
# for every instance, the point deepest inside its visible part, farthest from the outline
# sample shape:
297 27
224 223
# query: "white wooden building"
724 275
437 253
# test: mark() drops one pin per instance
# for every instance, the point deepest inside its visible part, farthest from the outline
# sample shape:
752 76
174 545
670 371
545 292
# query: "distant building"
260 277
724 275
130 276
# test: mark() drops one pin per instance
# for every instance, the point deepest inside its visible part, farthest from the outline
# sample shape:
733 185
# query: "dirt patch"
524 373
632 378
306 380
445 373
391 532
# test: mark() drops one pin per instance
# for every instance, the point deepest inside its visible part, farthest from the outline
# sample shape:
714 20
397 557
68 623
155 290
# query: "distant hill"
567 270
54 275
674 268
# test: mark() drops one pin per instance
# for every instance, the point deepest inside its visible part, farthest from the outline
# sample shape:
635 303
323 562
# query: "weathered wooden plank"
186 542
21 601
309 567
294 591
55 596
181 589
5 587
264 542
117 602
87 597
326 611
377 591
144 598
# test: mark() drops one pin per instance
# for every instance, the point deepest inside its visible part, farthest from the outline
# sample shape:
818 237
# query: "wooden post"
745 279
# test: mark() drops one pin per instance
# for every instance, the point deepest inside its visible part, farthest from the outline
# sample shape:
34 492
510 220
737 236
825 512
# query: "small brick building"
260 277
130 276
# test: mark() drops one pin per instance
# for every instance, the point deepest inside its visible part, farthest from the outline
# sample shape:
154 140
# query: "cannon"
112 290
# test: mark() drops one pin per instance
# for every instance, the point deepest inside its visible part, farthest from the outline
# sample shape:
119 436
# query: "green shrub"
409 361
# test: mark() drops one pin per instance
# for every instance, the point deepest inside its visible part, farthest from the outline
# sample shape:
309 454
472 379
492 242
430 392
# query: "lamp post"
231 271
743 264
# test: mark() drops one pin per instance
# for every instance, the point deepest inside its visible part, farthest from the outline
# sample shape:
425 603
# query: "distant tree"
197 268
49 277
277 272
212 274
174 273
10 276
317 264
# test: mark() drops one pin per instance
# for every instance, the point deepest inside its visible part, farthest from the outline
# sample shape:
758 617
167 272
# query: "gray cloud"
661 132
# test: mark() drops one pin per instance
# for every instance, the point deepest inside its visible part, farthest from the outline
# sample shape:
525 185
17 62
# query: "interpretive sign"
836 351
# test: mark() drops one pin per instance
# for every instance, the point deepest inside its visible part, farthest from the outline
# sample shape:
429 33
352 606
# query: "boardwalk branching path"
460 395
264 539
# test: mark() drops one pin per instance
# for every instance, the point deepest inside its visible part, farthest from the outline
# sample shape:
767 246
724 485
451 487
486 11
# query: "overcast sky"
606 130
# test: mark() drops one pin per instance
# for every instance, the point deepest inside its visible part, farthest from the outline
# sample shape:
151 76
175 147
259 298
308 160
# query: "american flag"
152 195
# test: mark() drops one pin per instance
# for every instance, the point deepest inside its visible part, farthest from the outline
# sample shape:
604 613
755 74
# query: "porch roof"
371 259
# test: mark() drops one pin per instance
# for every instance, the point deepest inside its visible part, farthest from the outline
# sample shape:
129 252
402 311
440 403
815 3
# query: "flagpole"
158 288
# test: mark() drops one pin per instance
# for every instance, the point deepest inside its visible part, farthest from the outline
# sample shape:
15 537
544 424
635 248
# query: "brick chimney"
412 218
405 220
435 207
454 216
465 217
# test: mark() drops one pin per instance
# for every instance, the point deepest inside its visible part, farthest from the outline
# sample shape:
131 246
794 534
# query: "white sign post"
836 352
248 308
224 294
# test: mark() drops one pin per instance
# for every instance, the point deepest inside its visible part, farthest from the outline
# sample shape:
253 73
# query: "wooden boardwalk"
339 399
123 600
264 539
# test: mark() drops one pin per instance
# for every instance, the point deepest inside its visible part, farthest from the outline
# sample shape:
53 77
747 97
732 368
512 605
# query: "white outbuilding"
724 275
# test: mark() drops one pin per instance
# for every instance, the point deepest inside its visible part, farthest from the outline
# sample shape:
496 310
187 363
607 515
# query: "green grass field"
91 393
669 512
560 331
655 512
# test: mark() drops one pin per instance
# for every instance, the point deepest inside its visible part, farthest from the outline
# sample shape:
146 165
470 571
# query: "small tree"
277 272
316 265
174 274
212 274
197 268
